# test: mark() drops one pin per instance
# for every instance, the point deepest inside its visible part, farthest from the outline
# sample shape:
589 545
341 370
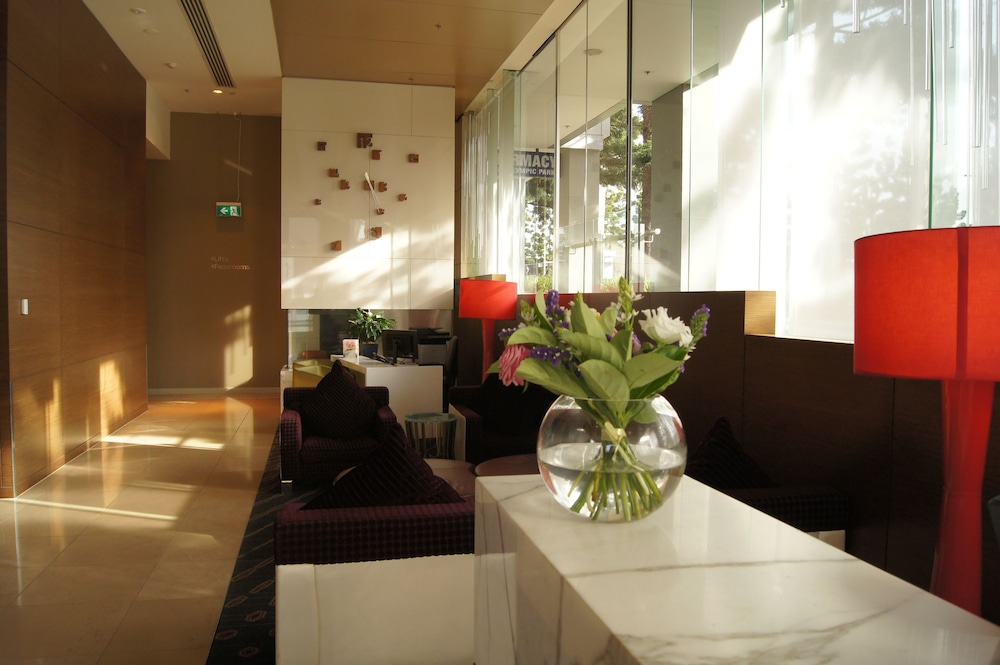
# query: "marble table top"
705 580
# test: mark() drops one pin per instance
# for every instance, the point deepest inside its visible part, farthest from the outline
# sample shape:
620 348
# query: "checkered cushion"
339 408
394 475
340 535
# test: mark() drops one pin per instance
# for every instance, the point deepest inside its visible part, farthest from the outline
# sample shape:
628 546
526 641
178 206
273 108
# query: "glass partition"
692 148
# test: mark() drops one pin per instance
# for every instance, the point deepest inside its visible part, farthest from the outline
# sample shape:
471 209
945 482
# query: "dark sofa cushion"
512 410
339 408
394 475
720 462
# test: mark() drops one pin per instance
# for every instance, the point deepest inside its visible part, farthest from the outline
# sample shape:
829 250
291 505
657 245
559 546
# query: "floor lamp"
927 306
490 301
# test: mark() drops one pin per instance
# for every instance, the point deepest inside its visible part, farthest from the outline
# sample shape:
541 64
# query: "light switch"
24 306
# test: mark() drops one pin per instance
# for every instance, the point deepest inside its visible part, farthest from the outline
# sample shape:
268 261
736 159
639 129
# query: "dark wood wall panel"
33 40
34 181
91 171
92 84
34 339
93 300
808 419
74 238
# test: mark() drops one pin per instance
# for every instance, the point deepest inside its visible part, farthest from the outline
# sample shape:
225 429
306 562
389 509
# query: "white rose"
665 329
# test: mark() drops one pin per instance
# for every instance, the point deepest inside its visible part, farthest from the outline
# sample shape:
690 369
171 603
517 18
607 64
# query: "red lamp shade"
927 306
488 300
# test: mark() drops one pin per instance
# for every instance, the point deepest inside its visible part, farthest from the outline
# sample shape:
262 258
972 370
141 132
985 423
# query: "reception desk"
412 388
705 579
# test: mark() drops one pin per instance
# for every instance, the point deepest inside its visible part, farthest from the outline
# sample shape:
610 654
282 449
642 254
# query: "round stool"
432 434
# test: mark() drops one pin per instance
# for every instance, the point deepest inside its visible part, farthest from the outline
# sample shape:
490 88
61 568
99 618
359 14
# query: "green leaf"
532 335
648 368
594 348
604 381
672 351
583 319
622 341
558 381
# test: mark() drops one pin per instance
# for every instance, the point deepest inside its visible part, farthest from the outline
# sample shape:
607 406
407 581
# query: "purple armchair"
308 454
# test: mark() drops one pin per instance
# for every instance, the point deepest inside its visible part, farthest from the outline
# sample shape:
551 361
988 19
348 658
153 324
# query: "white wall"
412 265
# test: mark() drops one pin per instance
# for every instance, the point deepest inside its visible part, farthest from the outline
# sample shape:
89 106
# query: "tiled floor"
124 555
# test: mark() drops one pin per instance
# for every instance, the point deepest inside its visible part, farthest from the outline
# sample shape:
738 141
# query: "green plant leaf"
582 319
648 369
594 348
532 335
604 381
558 381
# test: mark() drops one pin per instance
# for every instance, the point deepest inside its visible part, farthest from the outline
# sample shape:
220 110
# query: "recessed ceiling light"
151 31
137 10
217 91
171 65
592 51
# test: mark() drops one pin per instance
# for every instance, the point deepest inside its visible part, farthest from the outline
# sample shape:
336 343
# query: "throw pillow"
721 463
338 408
394 475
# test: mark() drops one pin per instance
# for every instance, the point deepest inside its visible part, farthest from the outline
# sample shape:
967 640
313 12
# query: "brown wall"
215 317
74 144
807 419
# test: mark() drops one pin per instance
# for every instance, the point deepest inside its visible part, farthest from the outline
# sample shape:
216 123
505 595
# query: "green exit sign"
228 209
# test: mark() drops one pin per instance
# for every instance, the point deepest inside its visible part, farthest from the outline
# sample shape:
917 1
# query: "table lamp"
490 301
927 306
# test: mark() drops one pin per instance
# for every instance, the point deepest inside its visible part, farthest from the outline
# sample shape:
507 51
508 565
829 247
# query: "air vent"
202 27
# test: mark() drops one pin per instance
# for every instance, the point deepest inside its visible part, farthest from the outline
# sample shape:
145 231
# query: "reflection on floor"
124 555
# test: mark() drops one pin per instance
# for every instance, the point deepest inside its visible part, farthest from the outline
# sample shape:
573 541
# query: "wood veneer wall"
74 233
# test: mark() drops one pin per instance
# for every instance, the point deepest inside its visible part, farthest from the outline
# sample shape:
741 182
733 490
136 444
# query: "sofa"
389 545
328 428
498 420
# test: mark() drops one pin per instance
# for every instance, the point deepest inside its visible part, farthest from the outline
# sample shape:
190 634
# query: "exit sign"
228 209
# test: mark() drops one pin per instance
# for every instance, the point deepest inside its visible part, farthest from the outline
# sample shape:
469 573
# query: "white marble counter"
705 580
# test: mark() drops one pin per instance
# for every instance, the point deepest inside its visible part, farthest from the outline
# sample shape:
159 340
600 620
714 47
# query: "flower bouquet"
598 361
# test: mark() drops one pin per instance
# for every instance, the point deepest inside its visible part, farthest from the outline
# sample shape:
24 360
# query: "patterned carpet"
245 633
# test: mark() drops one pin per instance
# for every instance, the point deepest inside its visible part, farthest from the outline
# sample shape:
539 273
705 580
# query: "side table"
432 434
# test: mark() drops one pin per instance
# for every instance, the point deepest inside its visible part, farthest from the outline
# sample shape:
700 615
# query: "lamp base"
958 559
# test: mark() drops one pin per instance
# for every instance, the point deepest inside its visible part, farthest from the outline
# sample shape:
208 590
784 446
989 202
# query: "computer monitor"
398 344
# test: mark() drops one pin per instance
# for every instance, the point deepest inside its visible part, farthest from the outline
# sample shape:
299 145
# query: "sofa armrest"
473 422
289 442
810 509
340 535
464 395
379 394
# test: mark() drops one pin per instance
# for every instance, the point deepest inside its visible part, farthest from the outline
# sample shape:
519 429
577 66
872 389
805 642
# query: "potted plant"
367 325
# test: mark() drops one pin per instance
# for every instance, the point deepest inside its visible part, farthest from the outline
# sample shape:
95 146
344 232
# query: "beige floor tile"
99 545
43 631
124 555
187 546
163 500
79 584
14 580
187 579
31 552
166 657
156 625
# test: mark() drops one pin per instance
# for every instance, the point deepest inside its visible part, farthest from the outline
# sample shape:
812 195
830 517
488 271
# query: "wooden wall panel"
808 419
75 201
38 427
92 321
34 339
91 70
33 39
90 173
33 148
